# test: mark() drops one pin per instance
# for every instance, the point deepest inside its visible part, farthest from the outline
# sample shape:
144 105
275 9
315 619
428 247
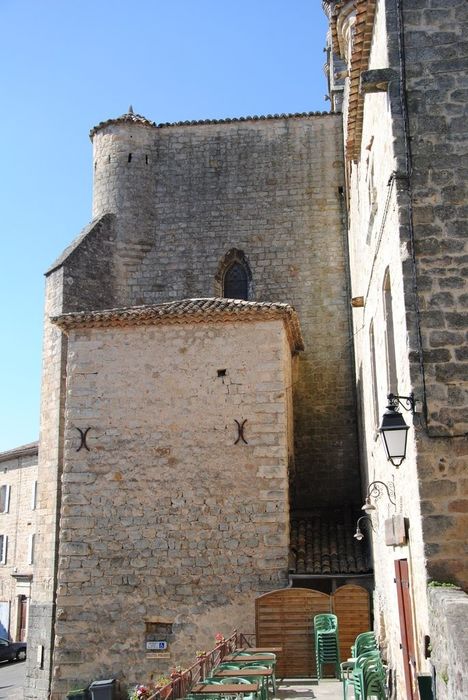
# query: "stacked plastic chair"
327 648
364 671
369 678
364 642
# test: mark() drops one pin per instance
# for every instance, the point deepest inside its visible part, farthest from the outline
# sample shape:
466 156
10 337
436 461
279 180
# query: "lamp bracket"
374 490
406 402
368 520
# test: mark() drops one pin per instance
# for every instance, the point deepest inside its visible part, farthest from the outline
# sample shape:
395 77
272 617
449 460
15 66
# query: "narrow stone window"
236 283
34 495
392 379
31 548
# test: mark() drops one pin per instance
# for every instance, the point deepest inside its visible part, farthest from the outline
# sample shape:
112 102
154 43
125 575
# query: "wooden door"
22 617
406 627
285 618
351 605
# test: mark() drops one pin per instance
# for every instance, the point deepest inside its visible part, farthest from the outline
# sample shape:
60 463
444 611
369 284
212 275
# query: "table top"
239 657
241 672
224 688
256 650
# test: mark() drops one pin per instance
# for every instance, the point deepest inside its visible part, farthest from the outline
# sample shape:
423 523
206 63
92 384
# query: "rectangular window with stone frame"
5 498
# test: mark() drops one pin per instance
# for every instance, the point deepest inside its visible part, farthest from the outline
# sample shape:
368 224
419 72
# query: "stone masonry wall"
165 517
269 187
436 49
436 83
449 642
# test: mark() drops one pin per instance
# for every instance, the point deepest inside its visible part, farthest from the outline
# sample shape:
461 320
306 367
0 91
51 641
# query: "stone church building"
219 343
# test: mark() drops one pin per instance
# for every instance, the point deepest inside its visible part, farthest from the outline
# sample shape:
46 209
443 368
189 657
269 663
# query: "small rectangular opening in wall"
129 157
157 627
221 372
157 635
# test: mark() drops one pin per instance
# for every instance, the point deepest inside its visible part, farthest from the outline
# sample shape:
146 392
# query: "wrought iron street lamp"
374 490
394 429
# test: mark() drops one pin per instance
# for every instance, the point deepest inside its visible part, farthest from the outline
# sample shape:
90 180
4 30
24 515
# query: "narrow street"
12 680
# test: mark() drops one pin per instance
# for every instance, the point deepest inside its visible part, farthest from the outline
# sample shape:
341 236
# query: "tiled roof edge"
202 310
32 448
69 250
200 122
362 43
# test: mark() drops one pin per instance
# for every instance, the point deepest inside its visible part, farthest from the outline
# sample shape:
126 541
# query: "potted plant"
140 692
164 687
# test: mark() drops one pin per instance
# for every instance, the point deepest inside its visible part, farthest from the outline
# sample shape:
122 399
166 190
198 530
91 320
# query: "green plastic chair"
211 681
363 642
347 667
327 650
369 678
270 663
230 666
235 680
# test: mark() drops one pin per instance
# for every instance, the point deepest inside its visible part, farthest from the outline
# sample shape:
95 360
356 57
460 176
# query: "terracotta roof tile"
131 118
210 309
363 28
324 545
128 118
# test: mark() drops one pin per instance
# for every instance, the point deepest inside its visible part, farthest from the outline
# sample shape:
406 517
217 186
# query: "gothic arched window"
233 279
236 282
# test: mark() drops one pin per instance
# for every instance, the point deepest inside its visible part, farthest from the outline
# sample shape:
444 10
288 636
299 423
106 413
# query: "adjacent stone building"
18 500
399 73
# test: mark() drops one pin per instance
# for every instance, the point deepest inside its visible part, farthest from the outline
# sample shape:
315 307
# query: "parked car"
12 651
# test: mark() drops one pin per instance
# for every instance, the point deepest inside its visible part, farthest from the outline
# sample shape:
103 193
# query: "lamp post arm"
368 520
374 490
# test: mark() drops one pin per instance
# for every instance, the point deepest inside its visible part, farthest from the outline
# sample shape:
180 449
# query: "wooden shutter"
406 626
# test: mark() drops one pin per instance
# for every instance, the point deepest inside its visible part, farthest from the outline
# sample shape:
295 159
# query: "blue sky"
69 64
